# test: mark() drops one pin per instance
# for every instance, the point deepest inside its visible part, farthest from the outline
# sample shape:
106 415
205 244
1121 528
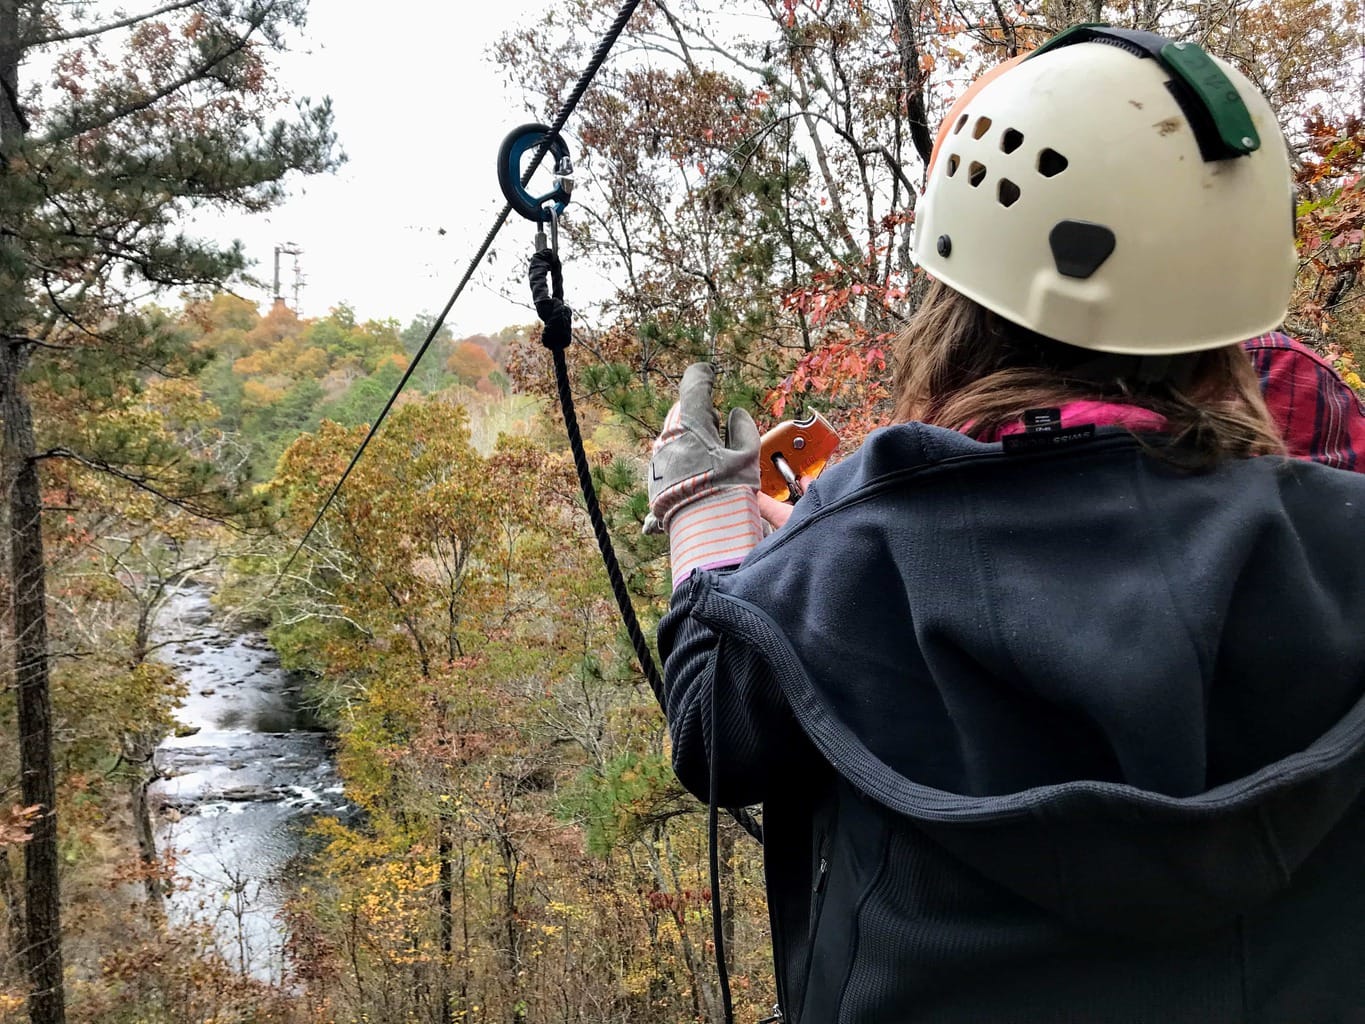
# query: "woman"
1051 692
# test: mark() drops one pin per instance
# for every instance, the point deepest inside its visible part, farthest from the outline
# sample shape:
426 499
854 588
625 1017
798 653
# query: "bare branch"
109 26
677 32
184 502
912 81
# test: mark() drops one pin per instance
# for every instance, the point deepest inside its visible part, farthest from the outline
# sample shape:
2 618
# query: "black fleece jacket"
1066 736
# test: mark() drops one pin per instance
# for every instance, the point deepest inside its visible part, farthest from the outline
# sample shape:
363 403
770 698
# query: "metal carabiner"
552 215
549 207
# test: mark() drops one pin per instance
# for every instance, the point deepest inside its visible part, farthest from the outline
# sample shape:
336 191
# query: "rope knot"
547 292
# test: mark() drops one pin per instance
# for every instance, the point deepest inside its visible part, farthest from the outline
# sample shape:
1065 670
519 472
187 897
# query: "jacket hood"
1130 694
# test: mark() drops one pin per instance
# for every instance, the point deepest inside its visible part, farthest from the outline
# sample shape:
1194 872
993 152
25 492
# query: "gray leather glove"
690 462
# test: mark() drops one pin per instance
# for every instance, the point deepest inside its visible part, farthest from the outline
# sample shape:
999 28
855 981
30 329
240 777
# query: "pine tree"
146 117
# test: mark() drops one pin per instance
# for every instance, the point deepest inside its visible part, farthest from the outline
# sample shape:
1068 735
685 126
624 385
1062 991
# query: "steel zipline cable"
618 585
599 57
614 574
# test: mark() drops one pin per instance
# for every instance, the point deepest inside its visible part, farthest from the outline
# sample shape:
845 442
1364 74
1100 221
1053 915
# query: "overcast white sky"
420 111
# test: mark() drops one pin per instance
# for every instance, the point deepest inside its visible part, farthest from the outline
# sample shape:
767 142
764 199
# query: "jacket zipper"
820 887
817 904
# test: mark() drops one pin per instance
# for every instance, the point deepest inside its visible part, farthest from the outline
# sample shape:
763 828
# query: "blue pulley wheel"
518 143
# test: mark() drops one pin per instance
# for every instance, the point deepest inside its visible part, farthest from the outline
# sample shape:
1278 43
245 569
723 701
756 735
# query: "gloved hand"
549 299
703 491
690 462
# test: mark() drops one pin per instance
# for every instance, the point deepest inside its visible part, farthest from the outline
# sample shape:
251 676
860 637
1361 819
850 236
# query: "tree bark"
20 489
42 893
146 844
912 79
12 900
444 855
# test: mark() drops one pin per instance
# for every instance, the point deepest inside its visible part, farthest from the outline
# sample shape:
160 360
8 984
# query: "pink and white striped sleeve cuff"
714 532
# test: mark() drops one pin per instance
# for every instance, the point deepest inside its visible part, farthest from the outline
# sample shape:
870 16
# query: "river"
240 784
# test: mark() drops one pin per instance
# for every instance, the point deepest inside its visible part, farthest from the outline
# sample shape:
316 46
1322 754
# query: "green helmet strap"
1220 120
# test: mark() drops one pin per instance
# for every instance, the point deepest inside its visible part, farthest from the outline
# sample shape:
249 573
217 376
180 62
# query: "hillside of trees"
521 850
275 376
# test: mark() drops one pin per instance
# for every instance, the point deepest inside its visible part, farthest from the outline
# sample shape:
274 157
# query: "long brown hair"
962 367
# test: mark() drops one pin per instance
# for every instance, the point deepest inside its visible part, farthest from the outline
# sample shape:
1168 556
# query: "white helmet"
1132 198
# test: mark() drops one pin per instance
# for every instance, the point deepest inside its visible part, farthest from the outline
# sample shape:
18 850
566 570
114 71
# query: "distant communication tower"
299 281
290 249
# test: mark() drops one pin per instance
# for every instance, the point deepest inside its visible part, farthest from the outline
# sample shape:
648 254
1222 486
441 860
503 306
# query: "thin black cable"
580 87
412 366
618 585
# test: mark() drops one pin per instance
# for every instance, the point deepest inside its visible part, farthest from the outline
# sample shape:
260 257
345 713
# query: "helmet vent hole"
1012 140
982 126
1009 192
976 173
961 123
953 163
1051 163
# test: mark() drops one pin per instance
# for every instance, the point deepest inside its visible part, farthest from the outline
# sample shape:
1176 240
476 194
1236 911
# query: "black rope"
580 87
614 574
557 336
618 585
599 526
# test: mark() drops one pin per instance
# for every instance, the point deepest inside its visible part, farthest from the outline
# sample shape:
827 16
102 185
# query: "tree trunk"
840 216
444 854
140 752
511 867
706 999
464 926
19 488
912 79
146 845
1062 14
42 900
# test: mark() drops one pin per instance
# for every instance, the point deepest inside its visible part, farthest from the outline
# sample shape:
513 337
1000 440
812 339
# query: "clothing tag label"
1039 421
1042 440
